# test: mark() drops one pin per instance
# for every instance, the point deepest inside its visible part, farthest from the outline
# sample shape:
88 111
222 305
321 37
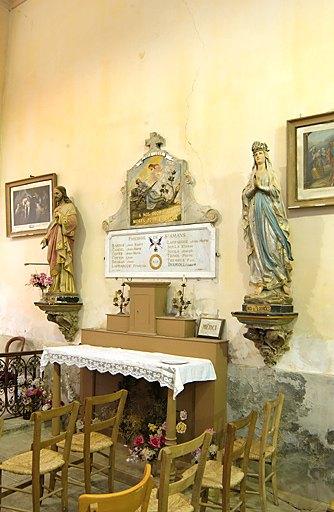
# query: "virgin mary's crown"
259 146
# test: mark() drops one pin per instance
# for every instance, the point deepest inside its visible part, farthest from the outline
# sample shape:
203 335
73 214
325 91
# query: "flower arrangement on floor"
146 445
213 448
41 281
146 403
33 396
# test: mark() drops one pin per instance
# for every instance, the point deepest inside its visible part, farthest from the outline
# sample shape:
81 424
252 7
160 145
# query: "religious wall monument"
160 231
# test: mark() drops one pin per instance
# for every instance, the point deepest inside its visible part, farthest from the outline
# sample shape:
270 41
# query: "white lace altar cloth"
170 371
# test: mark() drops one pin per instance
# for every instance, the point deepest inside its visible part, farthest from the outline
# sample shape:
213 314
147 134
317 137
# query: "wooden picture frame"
310 165
210 328
30 205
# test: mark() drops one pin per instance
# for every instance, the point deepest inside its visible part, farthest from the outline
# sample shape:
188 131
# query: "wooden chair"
134 499
6 375
169 497
93 441
20 339
42 459
223 475
264 449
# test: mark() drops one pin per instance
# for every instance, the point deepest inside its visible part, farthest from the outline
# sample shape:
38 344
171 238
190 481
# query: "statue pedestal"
65 315
269 330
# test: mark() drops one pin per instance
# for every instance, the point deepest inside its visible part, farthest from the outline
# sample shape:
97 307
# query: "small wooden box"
118 323
177 327
147 301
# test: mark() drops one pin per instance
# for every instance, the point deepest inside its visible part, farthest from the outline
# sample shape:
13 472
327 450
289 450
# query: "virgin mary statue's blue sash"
263 209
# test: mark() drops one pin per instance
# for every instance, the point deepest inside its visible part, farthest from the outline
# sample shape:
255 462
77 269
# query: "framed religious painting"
29 205
310 167
210 328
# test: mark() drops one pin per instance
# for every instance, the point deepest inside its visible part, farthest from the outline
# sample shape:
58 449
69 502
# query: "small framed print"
310 166
29 205
210 328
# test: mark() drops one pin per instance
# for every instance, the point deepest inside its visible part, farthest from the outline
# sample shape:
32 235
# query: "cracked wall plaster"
306 462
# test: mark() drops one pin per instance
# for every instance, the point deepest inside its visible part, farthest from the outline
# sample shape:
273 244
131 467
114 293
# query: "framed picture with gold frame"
310 166
29 205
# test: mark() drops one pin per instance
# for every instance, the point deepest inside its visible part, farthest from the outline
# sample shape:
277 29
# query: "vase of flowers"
146 445
41 281
33 397
213 448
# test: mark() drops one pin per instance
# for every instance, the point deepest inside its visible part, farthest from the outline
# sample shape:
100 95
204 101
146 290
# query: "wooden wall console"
204 401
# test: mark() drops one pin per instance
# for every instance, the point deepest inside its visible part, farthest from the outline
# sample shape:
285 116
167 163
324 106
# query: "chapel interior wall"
86 82
82 104
4 23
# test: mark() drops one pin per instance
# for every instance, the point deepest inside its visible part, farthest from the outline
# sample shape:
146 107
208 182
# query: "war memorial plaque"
162 252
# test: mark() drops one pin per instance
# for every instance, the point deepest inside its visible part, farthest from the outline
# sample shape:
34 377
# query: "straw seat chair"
134 499
264 449
92 440
42 459
170 497
223 475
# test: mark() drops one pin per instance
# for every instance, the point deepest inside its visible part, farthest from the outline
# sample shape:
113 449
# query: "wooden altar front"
204 401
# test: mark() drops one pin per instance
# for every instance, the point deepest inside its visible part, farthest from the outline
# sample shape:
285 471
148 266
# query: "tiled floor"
16 440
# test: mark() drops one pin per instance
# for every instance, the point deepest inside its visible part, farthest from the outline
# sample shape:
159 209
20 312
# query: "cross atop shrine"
155 141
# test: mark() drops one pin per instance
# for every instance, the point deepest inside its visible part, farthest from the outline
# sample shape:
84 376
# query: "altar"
172 372
204 400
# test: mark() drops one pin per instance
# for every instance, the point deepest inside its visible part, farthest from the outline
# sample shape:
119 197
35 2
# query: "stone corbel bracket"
64 315
269 332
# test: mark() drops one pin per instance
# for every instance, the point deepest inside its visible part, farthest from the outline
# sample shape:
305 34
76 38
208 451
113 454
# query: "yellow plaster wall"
4 19
87 81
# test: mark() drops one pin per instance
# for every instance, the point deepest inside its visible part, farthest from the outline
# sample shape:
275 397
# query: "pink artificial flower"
156 441
31 392
40 280
183 415
138 440
34 392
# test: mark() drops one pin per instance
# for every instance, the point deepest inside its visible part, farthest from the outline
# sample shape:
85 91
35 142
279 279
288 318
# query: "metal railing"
16 369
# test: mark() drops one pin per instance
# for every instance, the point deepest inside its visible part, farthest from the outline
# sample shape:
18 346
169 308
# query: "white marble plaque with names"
171 251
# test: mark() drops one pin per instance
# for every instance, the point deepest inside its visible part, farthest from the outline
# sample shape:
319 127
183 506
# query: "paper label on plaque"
171 251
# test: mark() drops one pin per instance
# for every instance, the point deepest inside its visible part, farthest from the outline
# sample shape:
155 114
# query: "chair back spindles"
40 417
271 421
264 449
228 457
98 436
119 398
233 452
43 458
194 477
